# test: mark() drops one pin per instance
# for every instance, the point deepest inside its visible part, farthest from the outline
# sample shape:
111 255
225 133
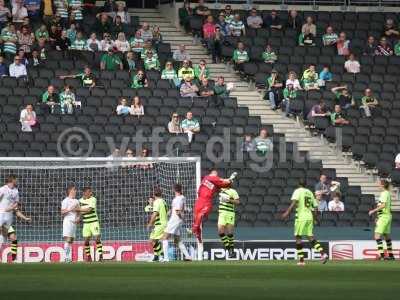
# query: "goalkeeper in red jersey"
209 186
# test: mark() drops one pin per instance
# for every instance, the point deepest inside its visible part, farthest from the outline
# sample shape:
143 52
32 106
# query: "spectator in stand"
309 27
324 76
71 32
17 69
390 31
169 73
273 21
369 103
352 65
338 118
205 89
190 126
121 43
76 10
310 79
397 161
254 20
35 60
322 204
123 109
62 10
223 25
93 44
139 80
136 43
289 96
330 37
292 79
110 61
157 36
343 97
103 24
294 21
370 47
79 44
306 38
117 27
42 48
148 46
22 57
68 101
151 62
335 204
181 54
50 101
106 42
383 48
174 126
129 62
188 89
33 7
228 13
146 33
186 71
47 11
318 111
3 67
343 44
87 77
54 35
19 11
323 187
122 13
221 89
110 6
269 56
202 10
41 33
10 39
185 13
137 108
218 41
240 56
27 118
248 144
5 14
25 39
236 26
209 33
274 89
201 71
262 143
397 48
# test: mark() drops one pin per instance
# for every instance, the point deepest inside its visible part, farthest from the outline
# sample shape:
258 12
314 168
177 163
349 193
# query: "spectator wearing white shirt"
335 204
137 108
181 54
190 126
123 109
27 118
322 204
19 11
121 43
397 161
93 44
174 126
146 33
17 69
352 65
292 79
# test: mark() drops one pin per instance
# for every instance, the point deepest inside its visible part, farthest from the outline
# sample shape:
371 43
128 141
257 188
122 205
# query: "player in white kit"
9 200
69 208
175 223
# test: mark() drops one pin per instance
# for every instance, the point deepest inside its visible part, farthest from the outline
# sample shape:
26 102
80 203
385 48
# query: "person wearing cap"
110 61
186 71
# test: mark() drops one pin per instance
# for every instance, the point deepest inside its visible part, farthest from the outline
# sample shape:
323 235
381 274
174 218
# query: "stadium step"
294 131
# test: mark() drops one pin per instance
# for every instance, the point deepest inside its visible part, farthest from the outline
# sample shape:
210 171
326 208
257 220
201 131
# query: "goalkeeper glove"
233 176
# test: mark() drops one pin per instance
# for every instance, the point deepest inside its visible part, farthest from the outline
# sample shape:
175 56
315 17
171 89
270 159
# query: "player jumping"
91 225
306 205
209 186
228 199
384 220
158 219
175 223
69 208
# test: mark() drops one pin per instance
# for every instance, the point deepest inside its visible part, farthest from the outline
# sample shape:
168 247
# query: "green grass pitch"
201 280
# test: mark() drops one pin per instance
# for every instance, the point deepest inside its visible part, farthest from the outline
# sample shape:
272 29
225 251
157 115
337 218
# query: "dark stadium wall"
140 3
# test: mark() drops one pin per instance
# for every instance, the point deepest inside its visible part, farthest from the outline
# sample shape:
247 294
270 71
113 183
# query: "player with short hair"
306 206
209 186
158 221
9 201
384 220
228 199
69 212
91 224
175 223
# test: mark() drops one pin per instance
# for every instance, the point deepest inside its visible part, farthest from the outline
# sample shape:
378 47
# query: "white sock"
165 249
183 249
200 250
68 252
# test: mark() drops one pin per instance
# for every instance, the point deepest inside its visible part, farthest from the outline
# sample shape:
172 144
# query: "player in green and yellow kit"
306 205
158 219
384 220
91 224
228 199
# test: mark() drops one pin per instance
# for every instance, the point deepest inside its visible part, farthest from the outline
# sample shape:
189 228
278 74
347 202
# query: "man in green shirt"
228 200
201 71
87 77
289 95
240 56
110 61
50 100
306 204
151 62
384 220
190 126
329 38
91 224
220 88
158 221
337 118
369 103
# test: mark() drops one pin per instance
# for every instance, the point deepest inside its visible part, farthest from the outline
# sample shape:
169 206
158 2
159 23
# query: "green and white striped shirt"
236 27
79 45
76 8
9 45
169 74
62 8
151 63
328 39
